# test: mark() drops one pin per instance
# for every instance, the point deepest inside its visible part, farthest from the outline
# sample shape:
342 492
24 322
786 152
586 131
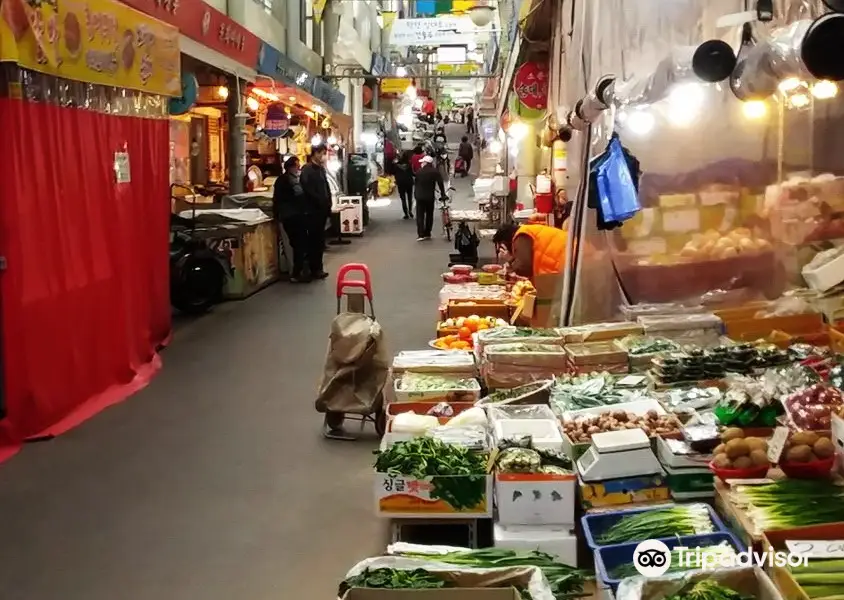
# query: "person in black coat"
427 180
290 209
314 179
403 172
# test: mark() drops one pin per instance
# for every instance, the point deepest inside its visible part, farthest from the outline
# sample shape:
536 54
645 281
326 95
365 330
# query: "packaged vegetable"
473 416
410 422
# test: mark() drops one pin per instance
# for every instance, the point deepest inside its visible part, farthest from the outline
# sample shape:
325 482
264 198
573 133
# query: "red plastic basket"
752 473
817 469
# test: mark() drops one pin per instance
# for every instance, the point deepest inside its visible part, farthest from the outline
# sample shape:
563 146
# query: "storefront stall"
85 294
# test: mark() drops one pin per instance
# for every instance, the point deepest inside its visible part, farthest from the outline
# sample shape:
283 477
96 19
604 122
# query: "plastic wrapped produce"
515 411
519 460
812 407
537 392
527 354
434 361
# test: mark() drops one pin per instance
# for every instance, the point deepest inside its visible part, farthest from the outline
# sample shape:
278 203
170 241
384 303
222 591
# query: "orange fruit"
460 346
465 333
483 325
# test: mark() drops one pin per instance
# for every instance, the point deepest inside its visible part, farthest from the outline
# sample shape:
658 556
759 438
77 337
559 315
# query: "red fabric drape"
85 297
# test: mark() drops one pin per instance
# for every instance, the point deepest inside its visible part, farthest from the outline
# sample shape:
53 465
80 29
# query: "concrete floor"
215 483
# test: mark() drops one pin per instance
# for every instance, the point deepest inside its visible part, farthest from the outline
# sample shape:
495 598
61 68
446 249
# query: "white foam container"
545 433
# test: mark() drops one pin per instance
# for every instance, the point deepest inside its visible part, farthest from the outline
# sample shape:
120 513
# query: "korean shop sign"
206 25
530 83
273 63
276 121
101 42
444 29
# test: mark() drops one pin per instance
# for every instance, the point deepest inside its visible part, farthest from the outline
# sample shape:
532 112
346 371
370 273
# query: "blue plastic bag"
616 191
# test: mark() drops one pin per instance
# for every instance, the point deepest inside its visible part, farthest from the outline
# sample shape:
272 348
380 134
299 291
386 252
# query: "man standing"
467 153
290 208
427 180
314 180
470 119
404 182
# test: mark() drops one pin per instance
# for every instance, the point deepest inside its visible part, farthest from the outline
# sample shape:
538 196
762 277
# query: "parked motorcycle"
198 273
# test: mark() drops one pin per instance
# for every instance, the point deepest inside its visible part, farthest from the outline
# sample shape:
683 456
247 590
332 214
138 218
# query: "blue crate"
595 525
608 558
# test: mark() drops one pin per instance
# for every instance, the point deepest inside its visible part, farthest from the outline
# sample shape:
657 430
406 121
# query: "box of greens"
434 387
426 477
433 594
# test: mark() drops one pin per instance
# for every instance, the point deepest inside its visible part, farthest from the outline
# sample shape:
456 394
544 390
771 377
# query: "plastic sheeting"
711 175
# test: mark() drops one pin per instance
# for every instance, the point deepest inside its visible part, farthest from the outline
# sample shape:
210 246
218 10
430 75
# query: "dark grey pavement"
215 483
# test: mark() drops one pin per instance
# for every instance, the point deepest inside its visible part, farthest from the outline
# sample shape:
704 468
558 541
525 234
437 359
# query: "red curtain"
85 296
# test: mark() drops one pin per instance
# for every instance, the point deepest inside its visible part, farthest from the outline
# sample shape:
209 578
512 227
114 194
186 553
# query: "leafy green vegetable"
708 590
688 519
690 560
637 345
426 382
429 457
790 503
586 391
563 579
393 579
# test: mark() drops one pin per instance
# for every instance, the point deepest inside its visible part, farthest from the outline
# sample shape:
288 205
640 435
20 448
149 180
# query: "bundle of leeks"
791 503
821 579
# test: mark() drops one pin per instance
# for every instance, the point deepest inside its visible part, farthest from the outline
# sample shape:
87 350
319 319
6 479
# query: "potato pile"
807 446
652 423
739 452
714 246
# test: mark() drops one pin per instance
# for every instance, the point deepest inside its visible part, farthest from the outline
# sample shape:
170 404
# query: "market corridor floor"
215 483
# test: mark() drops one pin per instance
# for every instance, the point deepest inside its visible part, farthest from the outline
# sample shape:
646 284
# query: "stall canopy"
308 89
85 213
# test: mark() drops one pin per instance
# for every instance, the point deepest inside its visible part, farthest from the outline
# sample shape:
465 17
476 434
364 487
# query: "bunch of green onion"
667 522
705 556
791 503
821 579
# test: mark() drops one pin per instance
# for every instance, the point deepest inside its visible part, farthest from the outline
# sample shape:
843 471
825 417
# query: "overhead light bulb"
754 109
292 98
824 89
640 122
223 92
518 131
799 100
788 85
401 71
685 102
316 140
252 104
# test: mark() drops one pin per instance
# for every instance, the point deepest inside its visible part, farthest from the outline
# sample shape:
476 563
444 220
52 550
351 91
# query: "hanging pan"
713 61
822 50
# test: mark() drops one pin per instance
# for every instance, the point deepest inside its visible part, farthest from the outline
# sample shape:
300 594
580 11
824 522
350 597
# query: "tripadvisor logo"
653 558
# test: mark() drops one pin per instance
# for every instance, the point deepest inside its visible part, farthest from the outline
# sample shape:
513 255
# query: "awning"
507 76
215 59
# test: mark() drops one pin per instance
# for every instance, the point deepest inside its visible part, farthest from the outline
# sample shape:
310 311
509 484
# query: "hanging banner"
530 83
462 69
276 121
96 41
319 8
395 86
445 29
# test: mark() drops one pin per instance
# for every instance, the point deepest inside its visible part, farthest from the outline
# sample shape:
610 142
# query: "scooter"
198 273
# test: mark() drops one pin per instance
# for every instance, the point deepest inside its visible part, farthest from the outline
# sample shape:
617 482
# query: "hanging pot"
835 5
713 61
822 49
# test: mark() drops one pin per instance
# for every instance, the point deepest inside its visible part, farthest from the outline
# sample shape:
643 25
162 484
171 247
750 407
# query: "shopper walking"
467 153
470 119
416 159
314 180
290 209
404 182
427 180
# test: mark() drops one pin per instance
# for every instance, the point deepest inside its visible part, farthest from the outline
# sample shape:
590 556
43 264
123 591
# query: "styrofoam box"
826 276
637 407
545 433
535 499
558 541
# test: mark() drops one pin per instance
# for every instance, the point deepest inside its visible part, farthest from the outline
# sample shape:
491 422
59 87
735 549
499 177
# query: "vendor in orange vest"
533 250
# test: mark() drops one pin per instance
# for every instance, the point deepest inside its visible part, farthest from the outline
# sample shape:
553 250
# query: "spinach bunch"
425 457
393 579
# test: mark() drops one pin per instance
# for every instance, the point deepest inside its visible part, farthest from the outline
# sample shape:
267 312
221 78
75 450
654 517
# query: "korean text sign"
95 41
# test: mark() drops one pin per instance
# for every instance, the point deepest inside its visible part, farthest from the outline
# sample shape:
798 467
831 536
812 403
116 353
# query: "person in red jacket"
428 109
416 159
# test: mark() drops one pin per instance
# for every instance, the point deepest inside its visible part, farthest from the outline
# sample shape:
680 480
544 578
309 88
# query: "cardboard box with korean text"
437 594
442 497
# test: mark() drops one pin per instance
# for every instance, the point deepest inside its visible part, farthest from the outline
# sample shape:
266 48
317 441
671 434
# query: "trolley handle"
343 282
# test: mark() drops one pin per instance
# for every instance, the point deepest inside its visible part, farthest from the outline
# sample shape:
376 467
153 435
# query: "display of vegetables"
713 555
637 345
806 446
431 382
789 503
687 519
529 393
393 579
708 590
517 333
428 457
821 578
652 423
564 580
472 323
812 407
739 452
520 456
587 391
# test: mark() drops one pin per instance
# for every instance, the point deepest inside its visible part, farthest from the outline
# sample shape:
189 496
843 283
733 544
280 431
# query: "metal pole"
237 142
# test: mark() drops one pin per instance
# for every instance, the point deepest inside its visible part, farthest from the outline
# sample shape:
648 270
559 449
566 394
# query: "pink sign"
531 85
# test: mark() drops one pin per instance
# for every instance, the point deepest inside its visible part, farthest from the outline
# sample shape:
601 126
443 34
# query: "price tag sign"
777 443
816 548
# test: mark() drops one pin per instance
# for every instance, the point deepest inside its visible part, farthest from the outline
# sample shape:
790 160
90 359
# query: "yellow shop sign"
95 41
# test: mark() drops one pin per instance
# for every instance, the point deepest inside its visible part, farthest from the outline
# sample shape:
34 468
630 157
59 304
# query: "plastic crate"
608 558
595 525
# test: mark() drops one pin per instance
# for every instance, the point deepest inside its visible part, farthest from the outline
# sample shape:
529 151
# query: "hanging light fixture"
223 92
252 104
754 110
824 89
